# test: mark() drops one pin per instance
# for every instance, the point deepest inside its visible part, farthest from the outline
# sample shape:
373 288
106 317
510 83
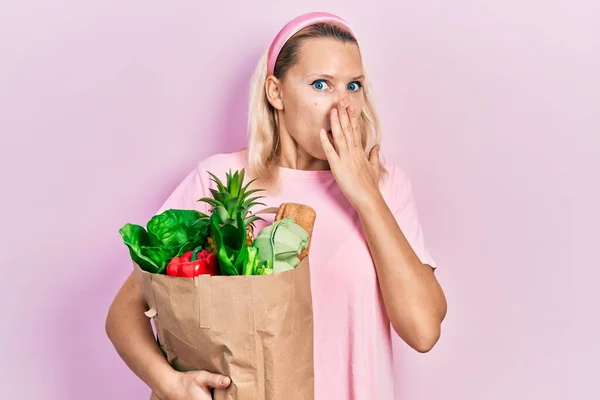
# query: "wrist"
167 384
370 205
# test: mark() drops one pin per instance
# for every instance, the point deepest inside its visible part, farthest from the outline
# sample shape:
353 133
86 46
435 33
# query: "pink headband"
297 24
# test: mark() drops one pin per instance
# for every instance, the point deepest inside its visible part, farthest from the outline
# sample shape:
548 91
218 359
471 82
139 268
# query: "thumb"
211 380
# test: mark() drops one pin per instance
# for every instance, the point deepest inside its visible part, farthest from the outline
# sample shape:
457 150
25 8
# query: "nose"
340 97
344 97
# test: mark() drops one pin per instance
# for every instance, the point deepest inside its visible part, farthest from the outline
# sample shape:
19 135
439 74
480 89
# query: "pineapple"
230 200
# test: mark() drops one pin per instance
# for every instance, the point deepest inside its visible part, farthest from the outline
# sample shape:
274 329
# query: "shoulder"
395 181
197 183
396 188
220 163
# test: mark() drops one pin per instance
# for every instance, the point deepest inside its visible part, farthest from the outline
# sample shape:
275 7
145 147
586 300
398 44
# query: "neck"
293 156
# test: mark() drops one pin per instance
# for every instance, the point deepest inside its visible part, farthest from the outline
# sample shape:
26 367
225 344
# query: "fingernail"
351 109
224 380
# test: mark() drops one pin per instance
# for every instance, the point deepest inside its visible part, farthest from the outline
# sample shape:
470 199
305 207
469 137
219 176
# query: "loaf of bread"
302 215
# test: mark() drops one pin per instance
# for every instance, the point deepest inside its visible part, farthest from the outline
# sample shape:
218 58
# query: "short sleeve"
404 208
188 192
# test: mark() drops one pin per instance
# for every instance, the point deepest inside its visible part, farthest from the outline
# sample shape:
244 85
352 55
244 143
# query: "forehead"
329 56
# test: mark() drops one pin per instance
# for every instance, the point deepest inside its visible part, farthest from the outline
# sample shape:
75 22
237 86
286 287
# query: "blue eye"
319 84
354 86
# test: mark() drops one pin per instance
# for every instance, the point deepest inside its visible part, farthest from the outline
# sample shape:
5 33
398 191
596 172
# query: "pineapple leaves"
232 198
217 182
252 202
215 193
231 223
250 220
248 185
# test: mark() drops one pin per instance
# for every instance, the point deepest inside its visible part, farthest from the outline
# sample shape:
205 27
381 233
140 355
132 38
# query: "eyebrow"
331 78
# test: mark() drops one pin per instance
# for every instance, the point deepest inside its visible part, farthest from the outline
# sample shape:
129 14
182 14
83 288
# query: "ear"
274 92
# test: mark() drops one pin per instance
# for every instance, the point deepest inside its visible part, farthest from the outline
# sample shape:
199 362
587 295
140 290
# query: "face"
327 72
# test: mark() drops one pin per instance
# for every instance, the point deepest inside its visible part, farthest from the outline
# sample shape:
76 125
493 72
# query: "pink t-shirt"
352 334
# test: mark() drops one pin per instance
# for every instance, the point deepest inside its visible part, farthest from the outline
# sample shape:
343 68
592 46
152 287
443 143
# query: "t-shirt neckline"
305 174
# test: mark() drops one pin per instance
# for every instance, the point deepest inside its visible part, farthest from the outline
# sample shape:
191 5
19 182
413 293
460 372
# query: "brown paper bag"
258 330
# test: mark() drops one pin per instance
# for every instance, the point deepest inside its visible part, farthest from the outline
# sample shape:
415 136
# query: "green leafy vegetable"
254 265
168 235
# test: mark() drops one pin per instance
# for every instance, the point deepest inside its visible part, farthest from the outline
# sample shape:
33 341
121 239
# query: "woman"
314 140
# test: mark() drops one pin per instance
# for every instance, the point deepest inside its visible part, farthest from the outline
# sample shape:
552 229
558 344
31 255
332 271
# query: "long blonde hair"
263 129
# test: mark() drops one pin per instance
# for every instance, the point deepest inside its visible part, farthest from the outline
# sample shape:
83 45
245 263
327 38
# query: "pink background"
493 109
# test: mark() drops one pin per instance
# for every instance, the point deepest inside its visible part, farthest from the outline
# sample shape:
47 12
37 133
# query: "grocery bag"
258 330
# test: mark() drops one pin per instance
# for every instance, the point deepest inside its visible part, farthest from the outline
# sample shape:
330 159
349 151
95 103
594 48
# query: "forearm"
414 301
131 333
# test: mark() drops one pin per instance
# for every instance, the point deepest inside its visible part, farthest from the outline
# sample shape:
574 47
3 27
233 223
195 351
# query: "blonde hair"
263 128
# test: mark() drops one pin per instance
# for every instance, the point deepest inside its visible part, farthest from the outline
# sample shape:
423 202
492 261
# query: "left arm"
413 299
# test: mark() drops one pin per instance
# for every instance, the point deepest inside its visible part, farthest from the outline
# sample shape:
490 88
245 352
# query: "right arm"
131 334
130 330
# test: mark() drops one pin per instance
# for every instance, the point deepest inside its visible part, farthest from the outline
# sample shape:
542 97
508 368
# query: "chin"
319 155
318 152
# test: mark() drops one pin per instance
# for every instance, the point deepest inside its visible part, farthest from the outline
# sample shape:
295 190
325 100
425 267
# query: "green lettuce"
167 235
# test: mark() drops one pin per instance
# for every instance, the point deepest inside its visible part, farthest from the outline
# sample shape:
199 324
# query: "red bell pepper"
193 263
